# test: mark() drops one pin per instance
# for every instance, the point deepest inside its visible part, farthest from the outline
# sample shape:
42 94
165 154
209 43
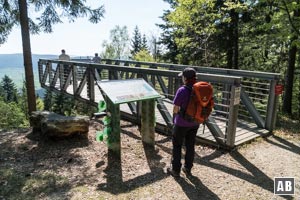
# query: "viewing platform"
245 101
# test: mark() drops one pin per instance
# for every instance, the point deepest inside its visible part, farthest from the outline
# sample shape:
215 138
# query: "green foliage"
136 42
118 47
143 55
81 108
168 39
8 90
62 104
11 116
144 44
23 100
250 35
39 103
48 100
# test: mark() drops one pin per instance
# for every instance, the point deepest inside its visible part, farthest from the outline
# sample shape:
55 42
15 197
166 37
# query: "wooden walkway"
245 131
242 103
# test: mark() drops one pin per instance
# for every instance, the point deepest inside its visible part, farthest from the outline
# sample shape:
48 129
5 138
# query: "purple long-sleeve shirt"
181 99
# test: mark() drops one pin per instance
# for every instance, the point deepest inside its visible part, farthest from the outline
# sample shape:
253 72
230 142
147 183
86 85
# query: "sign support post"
114 138
148 121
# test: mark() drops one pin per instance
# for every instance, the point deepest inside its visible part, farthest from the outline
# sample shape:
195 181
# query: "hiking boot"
172 172
187 171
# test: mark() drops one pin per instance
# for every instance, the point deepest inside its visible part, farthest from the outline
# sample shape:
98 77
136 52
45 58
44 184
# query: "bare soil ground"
32 167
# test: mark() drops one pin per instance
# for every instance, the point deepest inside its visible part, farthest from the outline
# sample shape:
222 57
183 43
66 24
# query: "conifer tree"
9 91
58 104
144 45
136 42
48 100
23 100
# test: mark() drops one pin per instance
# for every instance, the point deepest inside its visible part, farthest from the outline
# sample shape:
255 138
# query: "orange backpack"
200 104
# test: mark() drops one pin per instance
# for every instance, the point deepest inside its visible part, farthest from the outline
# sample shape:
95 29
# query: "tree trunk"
27 56
235 39
232 41
229 53
289 82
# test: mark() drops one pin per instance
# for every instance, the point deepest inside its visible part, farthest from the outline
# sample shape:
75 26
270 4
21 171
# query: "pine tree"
2 93
136 41
144 45
168 36
48 100
58 104
62 104
9 90
23 100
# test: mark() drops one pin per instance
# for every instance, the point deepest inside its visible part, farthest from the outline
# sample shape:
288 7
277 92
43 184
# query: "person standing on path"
183 131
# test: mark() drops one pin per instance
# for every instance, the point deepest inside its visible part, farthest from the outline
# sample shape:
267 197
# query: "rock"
54 125
37 117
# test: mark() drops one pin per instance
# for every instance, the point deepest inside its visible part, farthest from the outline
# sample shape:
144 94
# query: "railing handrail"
58 75
227 79
211 70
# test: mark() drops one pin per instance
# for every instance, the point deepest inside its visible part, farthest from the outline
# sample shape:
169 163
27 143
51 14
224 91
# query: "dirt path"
78 168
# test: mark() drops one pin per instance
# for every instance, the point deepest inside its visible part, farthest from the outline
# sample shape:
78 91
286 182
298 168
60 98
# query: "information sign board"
124 91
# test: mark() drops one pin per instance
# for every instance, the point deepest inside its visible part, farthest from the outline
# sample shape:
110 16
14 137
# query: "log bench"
54 125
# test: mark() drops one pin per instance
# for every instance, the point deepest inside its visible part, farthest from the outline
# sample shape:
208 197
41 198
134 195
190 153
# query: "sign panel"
278 89
237 95
124 91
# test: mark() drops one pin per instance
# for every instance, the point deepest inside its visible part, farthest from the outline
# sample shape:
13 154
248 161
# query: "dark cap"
188 73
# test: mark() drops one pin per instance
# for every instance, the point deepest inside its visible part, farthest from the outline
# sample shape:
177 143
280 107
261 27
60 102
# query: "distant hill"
12 66
16 60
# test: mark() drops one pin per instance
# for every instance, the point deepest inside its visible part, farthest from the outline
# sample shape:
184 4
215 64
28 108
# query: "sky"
82 38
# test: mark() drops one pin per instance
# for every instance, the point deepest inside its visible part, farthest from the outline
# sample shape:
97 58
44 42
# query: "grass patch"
18 185
80 189
288 125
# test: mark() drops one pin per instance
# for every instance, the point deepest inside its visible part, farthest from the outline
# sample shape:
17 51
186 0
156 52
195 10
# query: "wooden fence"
243 98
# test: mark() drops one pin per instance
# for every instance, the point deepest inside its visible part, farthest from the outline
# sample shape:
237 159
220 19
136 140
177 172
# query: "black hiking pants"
188 136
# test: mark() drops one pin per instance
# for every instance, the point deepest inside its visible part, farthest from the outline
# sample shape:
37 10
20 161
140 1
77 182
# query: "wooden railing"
75 77
258 98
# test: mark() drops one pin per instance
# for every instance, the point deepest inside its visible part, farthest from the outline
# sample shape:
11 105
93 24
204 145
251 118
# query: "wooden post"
233 114
113 138
75 80
139 106
90 84
148 121
272 107
49 67
171 90
61 76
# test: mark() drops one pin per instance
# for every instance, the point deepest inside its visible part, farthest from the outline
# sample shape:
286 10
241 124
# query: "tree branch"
290 18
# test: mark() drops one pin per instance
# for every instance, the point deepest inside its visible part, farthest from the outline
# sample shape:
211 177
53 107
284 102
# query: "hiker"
66 68
183 130
64 56
96 59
